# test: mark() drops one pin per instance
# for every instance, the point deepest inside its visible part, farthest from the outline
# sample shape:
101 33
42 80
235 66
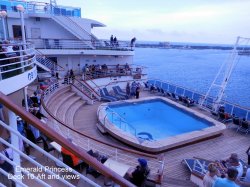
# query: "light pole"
21 10
3 14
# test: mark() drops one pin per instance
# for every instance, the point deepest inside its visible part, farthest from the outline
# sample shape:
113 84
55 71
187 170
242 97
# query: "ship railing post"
233 110
116 154
88 144
15 142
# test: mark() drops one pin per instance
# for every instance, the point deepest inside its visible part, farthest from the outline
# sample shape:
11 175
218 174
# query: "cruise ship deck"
175 172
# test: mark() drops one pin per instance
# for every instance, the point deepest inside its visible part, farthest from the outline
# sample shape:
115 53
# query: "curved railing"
16 60
54 87
230 108
119 153
54 135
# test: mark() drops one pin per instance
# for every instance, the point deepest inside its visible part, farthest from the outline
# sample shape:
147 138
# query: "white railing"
35 163
79 44
103 71
230 108
41 8
87 143
15 62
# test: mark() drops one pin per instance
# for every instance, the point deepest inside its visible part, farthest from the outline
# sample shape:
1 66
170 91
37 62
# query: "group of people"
133 90
96 71
227 173
113 41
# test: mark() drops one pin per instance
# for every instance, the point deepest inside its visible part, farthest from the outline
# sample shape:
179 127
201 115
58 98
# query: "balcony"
17 66
81 44
40 8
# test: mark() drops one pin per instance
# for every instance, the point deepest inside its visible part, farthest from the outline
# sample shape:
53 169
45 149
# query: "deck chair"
106 93
175 97
236 121
68 161
120 90
106 98
244 127
163 92
118 94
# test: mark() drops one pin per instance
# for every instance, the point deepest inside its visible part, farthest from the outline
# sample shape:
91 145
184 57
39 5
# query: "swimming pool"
156 123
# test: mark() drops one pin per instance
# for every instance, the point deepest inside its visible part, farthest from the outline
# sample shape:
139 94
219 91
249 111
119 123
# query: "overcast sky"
203 21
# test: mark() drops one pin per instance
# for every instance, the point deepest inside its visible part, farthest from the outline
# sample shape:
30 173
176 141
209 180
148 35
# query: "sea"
196 69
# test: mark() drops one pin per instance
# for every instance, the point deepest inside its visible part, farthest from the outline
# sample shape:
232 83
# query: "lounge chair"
236 121
224 117
175 97
106 98
187 101
163 92
118 94
244 127
106 93
120 90
190 163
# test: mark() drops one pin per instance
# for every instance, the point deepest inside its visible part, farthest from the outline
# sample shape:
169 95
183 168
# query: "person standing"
132 42
111 40
137 92
128 90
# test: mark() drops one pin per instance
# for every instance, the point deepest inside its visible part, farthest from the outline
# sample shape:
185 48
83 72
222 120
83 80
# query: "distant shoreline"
179 46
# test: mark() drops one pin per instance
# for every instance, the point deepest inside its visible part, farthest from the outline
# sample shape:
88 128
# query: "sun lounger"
106 93
118 94
191 163
106 98
120 90
244 127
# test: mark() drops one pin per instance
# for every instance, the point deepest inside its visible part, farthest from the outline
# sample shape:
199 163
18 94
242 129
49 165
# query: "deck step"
57 95
70 114
101 128
62 109
59 101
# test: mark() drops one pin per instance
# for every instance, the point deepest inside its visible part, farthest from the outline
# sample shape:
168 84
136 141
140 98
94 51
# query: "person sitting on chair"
75 159
141 172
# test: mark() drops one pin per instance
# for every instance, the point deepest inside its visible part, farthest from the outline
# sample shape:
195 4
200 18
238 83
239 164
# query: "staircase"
75 29
86 90
46 64
64 104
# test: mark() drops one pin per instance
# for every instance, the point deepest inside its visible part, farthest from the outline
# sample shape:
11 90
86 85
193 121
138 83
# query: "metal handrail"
246 109
85 135
43 152
61 44
121 120
30 119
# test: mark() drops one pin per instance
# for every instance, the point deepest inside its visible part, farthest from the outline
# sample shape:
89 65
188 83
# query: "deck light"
3 14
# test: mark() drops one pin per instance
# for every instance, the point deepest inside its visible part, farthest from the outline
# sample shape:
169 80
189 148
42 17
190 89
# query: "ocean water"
196 69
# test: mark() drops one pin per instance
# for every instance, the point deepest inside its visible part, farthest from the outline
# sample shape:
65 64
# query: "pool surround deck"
168 143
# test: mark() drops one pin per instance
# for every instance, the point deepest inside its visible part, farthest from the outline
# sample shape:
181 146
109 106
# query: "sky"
198 21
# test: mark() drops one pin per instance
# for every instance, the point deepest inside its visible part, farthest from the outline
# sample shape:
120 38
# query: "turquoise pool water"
154 119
